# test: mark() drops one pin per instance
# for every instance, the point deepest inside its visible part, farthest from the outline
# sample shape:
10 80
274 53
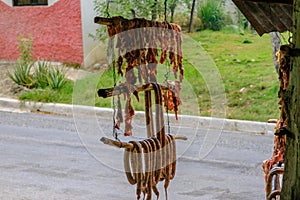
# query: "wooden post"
291 177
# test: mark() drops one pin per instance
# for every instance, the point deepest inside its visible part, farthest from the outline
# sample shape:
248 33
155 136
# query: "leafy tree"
172 6
148 9
188 3
125 8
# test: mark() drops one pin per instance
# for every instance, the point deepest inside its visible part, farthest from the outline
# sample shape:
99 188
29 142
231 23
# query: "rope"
111 59
168 71
115 134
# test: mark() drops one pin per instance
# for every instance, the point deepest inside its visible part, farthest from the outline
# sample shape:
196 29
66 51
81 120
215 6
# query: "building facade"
60 29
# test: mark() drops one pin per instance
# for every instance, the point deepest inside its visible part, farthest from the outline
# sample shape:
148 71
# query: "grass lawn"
246 66
244 62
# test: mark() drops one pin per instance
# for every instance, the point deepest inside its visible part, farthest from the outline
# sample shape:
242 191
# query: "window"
30 2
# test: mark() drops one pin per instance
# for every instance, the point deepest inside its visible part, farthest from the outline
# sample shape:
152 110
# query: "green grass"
244 62
62 95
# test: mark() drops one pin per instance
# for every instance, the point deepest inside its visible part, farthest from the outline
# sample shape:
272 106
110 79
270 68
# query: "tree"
291 178
172 7
154 10
148 9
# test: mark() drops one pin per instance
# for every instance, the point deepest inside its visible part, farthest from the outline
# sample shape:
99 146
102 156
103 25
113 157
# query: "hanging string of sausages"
161 165
153 160
274 165
148 163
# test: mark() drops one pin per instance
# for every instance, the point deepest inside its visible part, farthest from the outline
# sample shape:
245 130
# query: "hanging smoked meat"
139 42
281 127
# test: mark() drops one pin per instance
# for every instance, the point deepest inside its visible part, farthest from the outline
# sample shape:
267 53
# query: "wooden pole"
103 21
109 92
291 177
283 2
126 145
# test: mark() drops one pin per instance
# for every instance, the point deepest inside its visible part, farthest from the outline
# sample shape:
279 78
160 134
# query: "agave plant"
22 75
56 77
41 72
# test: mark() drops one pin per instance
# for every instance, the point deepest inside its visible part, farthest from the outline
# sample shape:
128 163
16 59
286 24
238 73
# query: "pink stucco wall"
57 31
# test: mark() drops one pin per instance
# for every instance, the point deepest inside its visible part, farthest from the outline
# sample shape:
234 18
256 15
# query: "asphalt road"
58 157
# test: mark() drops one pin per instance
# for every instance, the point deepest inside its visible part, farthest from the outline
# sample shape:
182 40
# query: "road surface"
54 157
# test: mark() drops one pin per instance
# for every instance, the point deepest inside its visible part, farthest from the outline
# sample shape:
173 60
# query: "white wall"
51 2
8 2
94 52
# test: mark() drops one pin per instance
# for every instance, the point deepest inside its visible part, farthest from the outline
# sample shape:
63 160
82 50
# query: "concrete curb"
13 105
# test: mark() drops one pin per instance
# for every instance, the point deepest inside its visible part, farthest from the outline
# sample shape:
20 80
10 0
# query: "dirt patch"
8 88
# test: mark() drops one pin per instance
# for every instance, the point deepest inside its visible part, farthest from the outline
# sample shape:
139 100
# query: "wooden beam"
115 143
103 21
286 2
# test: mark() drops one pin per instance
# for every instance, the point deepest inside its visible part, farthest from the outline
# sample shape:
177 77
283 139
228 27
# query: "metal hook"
290 40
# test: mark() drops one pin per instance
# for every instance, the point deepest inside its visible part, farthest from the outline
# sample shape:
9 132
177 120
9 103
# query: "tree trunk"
291 178
172 8
172 16
192 16
154 10
275 40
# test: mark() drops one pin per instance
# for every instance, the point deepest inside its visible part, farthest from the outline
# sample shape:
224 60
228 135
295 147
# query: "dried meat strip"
129 113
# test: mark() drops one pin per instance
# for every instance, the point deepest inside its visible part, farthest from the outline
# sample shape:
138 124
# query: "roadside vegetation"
40 80
243 59
248 74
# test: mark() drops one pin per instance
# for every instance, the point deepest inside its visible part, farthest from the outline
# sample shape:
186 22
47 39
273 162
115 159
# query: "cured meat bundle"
142 44
139 39
274 165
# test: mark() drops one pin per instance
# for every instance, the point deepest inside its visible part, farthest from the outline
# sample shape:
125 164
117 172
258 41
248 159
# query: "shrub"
211 15
25 45
42 75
